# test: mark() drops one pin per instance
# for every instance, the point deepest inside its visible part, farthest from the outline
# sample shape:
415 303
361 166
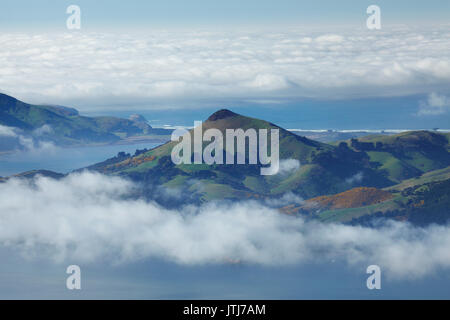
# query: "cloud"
7 132
41 131
160 68
36 146
436 104
327 38
88 217
285 167
286 199
288 165
356 178
15 139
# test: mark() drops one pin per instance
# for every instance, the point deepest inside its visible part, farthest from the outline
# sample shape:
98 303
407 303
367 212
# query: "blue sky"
50 14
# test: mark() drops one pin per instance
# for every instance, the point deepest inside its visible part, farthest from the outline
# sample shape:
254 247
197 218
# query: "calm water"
156 279
62 160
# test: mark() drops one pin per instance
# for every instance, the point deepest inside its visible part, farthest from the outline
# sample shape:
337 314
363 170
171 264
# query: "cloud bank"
87 217
162 67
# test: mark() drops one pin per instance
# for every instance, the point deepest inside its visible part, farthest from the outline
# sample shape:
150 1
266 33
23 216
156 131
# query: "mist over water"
191 264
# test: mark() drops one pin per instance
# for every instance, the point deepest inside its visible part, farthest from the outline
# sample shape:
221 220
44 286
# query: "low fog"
90 218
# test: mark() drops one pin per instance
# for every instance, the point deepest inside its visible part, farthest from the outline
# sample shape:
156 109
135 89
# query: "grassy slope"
68 127
353 198
432 176
347 214
405 155
406 201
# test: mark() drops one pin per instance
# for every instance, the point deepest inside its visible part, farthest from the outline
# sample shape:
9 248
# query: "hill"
421 204
65 126
34 173
421 200
316 168
405 155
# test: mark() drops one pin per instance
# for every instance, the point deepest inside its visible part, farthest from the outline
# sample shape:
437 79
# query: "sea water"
62 160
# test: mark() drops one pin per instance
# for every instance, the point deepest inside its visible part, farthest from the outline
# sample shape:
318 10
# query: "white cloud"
356 178
45 129
285 167
7 131
436 104
37 147
330 38
85 218
286 199
30 143
288 166
162 67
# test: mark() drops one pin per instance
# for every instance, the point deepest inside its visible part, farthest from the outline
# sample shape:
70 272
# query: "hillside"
34 173
405 155
431 176
353 198
421 204
323 169
421 200
65 126
354 202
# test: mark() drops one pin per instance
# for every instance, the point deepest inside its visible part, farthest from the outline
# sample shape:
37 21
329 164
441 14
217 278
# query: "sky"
151 56
23 14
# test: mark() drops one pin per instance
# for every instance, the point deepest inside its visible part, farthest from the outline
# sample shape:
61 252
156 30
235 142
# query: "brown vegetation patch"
354 198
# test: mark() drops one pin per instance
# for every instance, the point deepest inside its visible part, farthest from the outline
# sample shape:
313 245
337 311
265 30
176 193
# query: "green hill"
65 126
421 200
324 169
405 155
